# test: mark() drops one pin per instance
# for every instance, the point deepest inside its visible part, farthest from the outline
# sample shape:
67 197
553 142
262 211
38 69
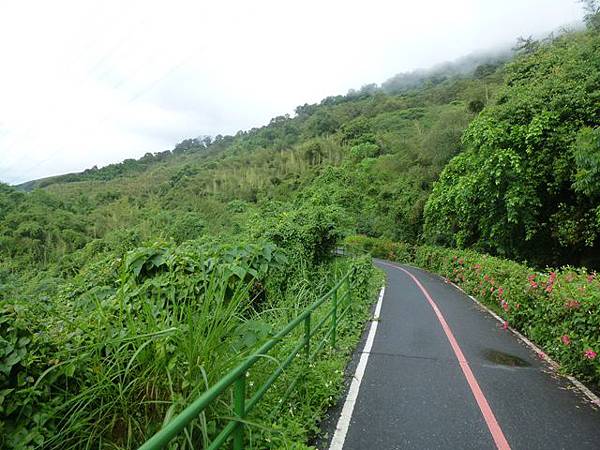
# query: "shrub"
379 247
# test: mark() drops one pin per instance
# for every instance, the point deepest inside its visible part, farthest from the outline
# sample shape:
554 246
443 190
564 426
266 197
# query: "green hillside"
396 144
141 282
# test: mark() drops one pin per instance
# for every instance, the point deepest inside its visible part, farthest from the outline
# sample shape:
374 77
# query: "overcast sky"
86 83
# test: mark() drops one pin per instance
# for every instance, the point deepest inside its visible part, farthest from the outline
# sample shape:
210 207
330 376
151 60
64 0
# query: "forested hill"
524 187
396 144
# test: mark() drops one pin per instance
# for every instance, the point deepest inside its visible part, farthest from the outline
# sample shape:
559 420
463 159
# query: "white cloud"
84 83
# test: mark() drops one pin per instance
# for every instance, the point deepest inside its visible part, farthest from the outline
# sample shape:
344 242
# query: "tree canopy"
525 186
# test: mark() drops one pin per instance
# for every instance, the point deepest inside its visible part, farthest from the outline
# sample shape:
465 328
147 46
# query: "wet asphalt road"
414 393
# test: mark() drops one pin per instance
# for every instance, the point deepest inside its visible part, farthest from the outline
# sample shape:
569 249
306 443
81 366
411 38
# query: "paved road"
456 380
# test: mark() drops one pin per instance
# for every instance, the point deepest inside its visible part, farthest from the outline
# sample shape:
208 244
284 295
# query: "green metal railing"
241 405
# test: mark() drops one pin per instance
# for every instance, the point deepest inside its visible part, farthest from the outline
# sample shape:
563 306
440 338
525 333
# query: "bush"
379 247
364 150
309 233
525 186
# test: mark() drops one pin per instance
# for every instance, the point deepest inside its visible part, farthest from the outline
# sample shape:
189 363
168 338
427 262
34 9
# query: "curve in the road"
442 373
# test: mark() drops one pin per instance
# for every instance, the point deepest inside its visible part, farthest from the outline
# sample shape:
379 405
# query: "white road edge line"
578 384
341 429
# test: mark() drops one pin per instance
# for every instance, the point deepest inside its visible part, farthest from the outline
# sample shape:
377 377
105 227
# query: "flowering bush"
557 309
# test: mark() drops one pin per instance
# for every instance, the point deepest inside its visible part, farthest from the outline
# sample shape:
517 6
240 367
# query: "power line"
98 64
139 94
114 86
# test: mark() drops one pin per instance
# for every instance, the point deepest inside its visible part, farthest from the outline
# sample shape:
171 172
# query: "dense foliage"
527 185
120 347
105 274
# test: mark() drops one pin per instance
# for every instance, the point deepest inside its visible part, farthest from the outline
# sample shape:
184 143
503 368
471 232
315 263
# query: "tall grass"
142 364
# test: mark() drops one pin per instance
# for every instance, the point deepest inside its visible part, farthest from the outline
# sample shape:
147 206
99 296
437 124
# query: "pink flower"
504 305
565 339
461 261
570 277
590 354
531 279
572 304
505 325
591 277
550 282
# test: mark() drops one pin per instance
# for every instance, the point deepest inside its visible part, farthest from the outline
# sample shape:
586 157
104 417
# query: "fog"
88 83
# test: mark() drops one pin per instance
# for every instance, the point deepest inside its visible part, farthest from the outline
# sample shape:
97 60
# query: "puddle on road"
504 359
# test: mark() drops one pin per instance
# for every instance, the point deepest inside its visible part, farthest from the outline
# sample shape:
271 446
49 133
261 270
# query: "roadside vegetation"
558 309
126 290
120 348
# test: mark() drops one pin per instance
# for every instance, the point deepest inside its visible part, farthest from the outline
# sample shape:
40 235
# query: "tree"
592 14
475 106
188 145
526 45
322 122
526 185
312 153
357 132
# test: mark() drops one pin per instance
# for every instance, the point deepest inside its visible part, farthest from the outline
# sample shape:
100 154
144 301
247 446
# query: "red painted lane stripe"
484 406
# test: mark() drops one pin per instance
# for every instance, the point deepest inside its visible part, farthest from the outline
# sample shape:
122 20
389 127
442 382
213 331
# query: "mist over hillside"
477 65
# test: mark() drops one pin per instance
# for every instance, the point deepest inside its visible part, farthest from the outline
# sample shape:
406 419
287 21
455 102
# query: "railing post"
307 337
334 318
239 408
349 288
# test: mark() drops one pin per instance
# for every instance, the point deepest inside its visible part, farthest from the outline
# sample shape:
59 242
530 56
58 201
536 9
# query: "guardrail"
241 405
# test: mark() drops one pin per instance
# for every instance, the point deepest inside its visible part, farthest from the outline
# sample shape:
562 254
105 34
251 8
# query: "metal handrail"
237 376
